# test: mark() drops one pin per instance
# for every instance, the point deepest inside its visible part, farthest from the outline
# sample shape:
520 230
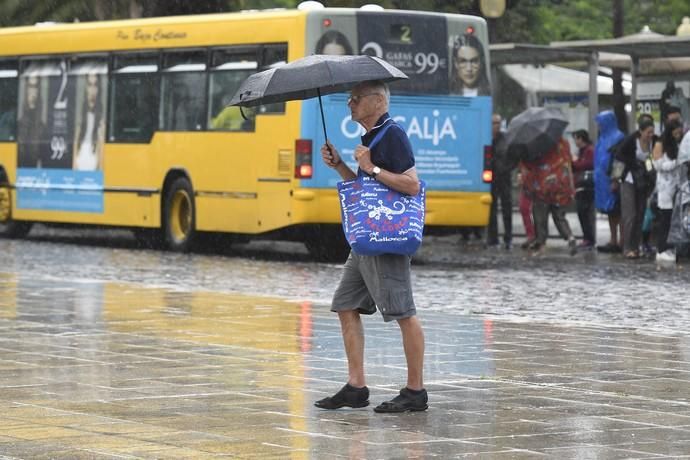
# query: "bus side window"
182 91
8 100
133 98
230 67
274 55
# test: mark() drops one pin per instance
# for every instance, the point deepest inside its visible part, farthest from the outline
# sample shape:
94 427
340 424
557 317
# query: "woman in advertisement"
335 43
31 126
469 72
89 135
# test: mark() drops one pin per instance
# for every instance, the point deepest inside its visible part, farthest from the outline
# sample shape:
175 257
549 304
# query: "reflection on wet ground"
589 288
108 352
94 369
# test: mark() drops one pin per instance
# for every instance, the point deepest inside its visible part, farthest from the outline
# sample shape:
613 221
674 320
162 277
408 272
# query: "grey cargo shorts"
371 281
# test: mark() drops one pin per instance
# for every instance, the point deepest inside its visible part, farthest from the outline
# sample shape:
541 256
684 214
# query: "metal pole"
634 70
593 94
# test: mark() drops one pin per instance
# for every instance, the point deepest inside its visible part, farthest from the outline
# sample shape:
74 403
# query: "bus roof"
169 32
42 27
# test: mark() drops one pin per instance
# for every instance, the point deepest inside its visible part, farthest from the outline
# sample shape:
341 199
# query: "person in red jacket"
549 182
583 170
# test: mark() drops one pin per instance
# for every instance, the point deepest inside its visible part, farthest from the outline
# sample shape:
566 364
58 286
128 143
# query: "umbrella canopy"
312 76
534 132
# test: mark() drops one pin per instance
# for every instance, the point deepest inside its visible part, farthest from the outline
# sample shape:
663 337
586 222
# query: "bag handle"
380 134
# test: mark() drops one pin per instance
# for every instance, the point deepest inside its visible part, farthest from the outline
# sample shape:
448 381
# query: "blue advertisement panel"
60 190
448 135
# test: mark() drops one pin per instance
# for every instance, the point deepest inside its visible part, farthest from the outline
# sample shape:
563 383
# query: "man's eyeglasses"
355 99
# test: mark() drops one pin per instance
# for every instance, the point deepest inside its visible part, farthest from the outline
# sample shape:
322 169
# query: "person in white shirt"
665 159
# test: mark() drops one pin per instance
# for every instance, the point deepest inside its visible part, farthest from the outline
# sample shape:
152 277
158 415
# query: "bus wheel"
10 228
327 244
178 215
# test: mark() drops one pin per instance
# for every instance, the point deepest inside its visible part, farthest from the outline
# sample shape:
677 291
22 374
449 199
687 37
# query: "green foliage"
549 20
661 16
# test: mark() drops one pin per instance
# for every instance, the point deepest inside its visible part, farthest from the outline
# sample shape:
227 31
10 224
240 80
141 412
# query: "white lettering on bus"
425 128
346 127
373 46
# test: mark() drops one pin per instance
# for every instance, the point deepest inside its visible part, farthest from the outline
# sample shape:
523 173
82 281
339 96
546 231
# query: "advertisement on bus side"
61 135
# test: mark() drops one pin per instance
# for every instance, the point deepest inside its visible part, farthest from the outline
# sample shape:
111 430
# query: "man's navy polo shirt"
393 152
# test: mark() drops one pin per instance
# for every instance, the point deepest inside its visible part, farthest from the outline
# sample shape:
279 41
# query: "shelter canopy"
647 53
523 53
642 48
551 79
638 46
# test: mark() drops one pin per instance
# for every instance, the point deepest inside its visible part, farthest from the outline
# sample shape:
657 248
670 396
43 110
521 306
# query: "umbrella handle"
243 115
323 122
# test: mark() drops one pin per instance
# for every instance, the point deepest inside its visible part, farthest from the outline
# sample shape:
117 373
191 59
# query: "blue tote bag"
379 220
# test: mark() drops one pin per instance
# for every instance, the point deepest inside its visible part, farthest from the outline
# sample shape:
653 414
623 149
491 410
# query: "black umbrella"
534 132
313 76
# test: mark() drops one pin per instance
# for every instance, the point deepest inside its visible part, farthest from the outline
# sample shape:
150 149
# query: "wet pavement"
113 352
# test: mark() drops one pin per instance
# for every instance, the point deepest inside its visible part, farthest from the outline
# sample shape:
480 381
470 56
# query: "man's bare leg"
354 393
353 339
413 344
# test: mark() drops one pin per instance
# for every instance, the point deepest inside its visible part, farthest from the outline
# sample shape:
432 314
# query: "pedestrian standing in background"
666 163
634 185
383 281
606 196
650 219
501 188
583 172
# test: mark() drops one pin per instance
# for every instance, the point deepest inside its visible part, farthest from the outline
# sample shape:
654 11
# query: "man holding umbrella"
380 281
386 154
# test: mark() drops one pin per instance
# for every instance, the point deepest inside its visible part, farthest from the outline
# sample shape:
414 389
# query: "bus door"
277 129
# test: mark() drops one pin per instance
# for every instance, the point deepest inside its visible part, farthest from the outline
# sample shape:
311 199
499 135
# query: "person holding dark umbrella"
380 281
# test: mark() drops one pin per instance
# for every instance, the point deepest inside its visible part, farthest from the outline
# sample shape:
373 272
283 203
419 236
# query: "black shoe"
348 396
406 400
609 248
572 245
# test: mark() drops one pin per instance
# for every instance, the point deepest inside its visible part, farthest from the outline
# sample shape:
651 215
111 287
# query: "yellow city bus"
125 123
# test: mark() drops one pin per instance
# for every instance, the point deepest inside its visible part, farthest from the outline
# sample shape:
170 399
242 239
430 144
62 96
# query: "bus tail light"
303 159
487 173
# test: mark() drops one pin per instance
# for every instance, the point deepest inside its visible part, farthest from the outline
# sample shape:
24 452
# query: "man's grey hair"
379 87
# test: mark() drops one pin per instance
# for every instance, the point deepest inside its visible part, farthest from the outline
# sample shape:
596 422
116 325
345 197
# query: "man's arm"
406 182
